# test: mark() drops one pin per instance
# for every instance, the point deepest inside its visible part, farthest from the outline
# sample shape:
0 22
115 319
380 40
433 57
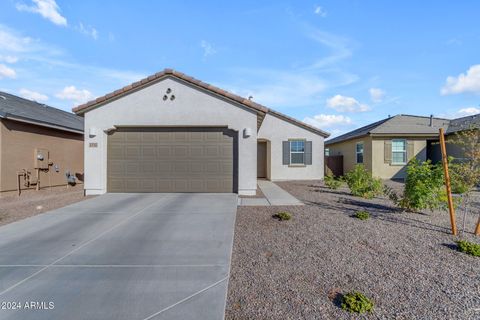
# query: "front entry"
261 159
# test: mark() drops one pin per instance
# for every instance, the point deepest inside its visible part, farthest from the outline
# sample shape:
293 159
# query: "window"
327 152
399 151
297 152
359 152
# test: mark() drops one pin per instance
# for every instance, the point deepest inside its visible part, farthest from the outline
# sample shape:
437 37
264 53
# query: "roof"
401 124
464 123
19 109
258 108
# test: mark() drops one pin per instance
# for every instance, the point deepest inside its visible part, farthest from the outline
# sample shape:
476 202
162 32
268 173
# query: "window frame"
327 152
297 152
362 153
404 152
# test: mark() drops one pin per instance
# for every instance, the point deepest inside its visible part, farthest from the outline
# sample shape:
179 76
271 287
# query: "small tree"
466 173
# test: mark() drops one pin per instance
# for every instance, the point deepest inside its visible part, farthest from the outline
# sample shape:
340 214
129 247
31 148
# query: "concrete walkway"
274 196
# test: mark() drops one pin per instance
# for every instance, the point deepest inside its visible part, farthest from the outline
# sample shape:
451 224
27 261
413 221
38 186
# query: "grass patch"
283 216
362 215
356 302
470 248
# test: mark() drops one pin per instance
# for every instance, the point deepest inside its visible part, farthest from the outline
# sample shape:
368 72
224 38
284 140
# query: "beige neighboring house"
386 146
36 139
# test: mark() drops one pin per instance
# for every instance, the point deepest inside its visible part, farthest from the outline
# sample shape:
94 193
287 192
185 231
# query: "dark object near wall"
334 164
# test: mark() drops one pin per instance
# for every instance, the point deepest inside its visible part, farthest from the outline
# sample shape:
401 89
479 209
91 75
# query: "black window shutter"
286 152
308 152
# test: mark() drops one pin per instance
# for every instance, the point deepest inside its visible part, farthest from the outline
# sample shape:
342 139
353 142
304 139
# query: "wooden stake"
477 229
451 209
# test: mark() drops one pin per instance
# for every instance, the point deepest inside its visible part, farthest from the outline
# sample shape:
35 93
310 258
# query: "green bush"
469 248
356 302
424 187
362 215
283 216
331 182
362 184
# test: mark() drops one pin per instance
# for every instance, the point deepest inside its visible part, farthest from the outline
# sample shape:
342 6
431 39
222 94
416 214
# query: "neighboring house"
386 146
38 140
173 133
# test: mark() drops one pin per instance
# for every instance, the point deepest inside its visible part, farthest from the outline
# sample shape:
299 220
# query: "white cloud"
320 11
468 111
469 82
47 9
327 120
9 59
208 49
78 96
32 95
87 30
339 47
346 104
376 95
6 72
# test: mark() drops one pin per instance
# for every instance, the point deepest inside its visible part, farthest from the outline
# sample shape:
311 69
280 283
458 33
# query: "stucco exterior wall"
348 150
18 142
276 130
392 171
191 107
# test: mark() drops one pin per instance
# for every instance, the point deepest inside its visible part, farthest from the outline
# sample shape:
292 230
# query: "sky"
335 64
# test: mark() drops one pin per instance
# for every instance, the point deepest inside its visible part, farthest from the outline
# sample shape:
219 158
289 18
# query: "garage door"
170 160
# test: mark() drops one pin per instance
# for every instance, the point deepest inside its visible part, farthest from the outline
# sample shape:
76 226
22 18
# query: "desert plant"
362 184
283 216
424 187
362 215
332 182
356 302
469 142
469 248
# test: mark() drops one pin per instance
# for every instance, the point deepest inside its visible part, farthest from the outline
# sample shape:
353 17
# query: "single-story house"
38 144
385 147
173 133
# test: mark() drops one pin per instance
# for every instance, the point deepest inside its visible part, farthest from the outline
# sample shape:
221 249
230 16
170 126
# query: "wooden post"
451 209
477 229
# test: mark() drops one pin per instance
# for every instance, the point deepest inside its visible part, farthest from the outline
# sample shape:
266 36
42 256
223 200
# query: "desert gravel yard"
406 262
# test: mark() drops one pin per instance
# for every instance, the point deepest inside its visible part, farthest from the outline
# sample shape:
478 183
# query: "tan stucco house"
173 133
38 145
385 147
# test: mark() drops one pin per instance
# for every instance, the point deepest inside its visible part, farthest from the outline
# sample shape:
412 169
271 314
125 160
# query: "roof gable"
258 108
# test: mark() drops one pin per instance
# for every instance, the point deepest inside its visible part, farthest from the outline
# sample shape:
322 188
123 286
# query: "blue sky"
334 64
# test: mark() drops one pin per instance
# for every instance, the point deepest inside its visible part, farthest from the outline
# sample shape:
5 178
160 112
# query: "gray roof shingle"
403 124
16 108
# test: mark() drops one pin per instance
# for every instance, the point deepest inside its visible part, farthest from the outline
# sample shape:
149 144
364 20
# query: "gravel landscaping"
31 202
407 263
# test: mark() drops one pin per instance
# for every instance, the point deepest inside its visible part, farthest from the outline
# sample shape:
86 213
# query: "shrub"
362 184
469 248
356 302
331 182
283 216
362 215
424 187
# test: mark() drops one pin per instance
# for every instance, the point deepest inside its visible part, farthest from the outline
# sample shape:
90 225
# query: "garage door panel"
189 160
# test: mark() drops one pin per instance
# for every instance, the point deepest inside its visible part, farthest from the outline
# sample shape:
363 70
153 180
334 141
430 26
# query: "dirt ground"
31 202
407 263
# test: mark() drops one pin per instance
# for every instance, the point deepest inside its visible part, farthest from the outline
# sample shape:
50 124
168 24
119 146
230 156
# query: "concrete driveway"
120 256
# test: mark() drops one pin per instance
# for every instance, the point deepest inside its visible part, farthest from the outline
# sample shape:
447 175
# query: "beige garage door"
171 160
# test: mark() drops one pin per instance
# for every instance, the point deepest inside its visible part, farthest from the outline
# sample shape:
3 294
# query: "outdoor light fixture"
92 132
247 132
